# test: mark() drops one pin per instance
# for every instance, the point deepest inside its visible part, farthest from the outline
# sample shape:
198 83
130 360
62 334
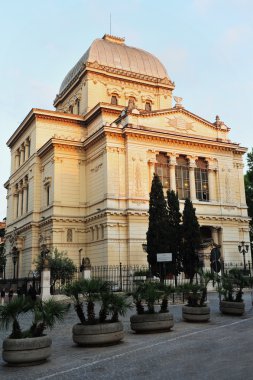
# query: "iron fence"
127 278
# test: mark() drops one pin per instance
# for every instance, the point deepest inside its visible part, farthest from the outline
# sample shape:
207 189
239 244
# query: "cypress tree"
157 234
191 240
248 180
174 231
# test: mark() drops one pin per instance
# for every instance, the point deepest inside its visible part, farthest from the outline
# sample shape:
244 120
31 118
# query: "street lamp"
14 254
243 248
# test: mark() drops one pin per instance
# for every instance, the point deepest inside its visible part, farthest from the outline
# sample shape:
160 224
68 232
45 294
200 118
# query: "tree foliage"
157 235
248 180
191 239
174 231
61 266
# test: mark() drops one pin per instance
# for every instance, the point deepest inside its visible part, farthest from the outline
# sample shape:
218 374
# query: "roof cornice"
43 114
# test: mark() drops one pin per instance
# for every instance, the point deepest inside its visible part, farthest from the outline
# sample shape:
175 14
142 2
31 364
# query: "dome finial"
117 40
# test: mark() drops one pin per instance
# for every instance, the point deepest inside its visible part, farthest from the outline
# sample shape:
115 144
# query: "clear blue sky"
206 46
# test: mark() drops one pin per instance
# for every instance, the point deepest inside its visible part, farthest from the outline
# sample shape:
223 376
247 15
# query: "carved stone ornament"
179 124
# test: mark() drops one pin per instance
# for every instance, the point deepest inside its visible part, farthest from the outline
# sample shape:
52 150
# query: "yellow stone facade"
81 175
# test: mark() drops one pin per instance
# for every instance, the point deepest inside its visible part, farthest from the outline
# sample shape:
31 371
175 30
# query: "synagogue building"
81 175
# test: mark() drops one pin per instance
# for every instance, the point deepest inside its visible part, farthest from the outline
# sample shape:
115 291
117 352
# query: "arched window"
131 102
201 180
114 100
162 169
182 178
148 106
70 109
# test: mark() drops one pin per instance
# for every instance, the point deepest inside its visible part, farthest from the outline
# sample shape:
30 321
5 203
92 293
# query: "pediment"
185 123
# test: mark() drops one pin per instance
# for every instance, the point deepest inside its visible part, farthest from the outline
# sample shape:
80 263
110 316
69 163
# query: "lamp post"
15 255
243 248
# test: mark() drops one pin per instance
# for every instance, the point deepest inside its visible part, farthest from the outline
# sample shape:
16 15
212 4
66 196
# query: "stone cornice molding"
218 218
41 114
147 134
95 67
68 143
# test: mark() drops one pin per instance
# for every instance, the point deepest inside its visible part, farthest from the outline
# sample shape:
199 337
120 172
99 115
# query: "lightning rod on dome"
110 23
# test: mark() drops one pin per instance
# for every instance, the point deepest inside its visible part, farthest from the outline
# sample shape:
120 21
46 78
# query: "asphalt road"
221 349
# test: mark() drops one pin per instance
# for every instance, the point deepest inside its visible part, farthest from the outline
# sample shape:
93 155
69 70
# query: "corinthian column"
151 167
22 154
24 199
192 166
19 201
173 162
212 167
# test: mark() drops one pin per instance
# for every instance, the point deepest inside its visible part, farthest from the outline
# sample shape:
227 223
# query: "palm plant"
44 314
148 292
196 293
166 290
96 290
231 285
119 304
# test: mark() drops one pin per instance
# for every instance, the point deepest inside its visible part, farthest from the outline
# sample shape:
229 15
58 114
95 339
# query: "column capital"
211 163
192 161
173 158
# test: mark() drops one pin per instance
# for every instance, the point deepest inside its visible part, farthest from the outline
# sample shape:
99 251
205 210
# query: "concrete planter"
151 322
233 308
99 334
28 351
196 314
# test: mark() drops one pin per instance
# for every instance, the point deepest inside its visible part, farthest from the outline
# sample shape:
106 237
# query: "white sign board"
163 257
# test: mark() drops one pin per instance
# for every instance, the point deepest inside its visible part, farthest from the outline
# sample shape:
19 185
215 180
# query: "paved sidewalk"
221 348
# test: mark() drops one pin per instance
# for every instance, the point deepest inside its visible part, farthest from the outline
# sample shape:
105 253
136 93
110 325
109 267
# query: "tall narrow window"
77 106
22 201
17 206
27 197
69 235
201 180
131 102
182 178
29 147
148 106
48 194
162 169
114 100
70 109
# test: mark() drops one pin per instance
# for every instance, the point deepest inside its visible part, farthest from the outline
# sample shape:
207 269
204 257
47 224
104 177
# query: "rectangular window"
22 202
182 182
201 183
17 206
27 197
69 235
48 194
163 172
